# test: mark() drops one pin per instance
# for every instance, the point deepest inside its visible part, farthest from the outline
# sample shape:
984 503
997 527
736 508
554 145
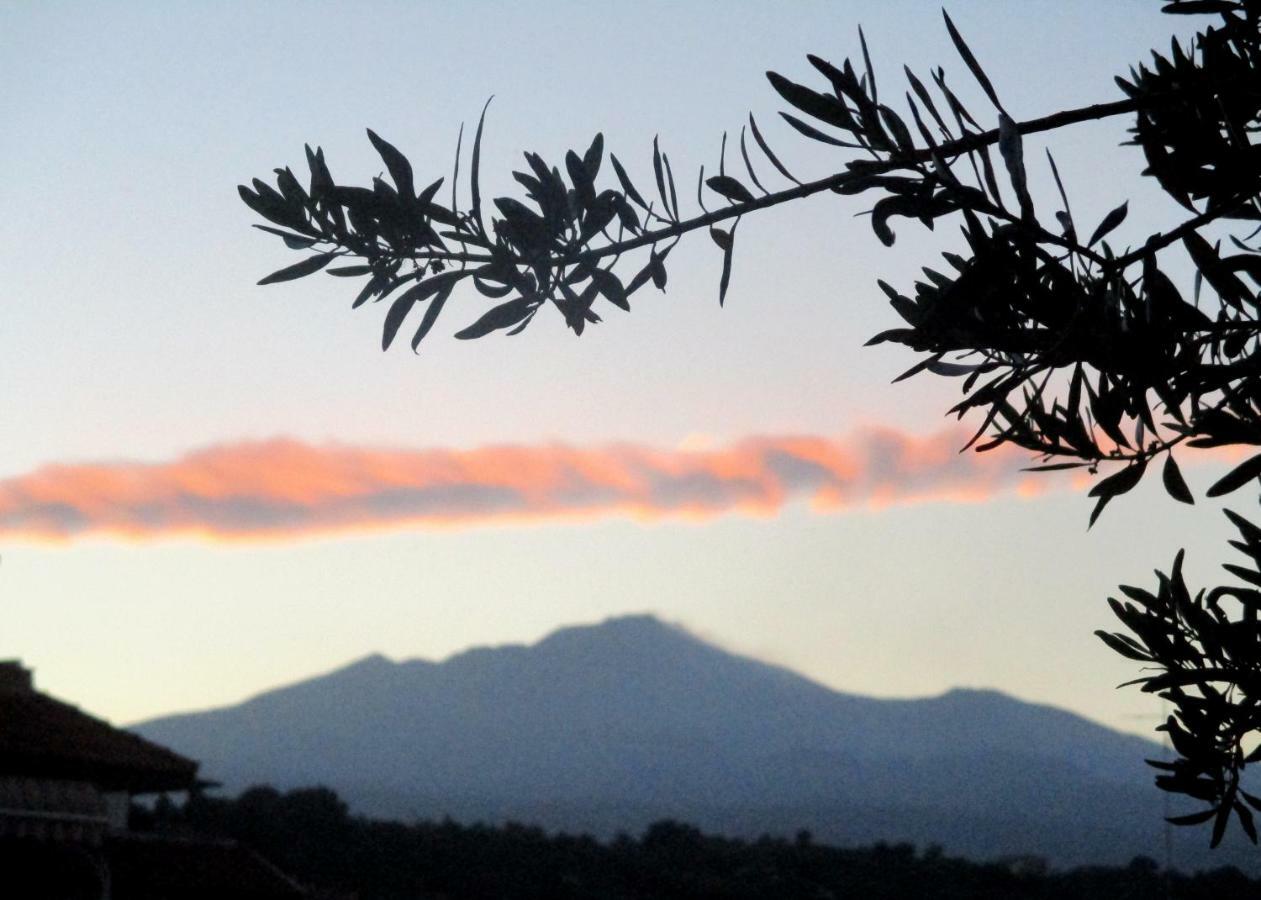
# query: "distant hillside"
310 835
615 725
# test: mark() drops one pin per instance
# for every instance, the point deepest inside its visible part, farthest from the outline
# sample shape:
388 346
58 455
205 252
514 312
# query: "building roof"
45 738
142 868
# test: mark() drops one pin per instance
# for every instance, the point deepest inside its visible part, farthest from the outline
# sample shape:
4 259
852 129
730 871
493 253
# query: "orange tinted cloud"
285 488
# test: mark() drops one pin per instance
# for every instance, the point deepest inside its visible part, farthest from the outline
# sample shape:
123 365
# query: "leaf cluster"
1203 656
1071 348
558 246
1199 138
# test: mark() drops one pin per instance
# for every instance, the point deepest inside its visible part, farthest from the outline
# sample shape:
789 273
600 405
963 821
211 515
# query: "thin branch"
1159 242
951 149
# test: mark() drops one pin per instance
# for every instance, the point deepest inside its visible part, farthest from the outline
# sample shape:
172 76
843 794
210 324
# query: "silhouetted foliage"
1082 352
309 834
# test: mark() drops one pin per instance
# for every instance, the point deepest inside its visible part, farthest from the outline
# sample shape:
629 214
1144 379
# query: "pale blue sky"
134 330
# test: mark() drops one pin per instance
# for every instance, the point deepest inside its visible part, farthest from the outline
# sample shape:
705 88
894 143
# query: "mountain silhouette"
611 726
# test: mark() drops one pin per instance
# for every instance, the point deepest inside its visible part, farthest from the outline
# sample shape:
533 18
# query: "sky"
209 488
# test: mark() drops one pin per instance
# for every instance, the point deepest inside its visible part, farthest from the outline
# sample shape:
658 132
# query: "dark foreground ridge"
311 834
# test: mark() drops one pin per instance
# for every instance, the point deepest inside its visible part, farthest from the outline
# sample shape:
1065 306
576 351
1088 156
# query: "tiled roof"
43 737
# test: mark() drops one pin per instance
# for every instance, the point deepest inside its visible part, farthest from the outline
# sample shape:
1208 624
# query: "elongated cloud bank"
284 488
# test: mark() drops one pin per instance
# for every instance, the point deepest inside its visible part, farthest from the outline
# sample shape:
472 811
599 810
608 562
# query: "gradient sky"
138 353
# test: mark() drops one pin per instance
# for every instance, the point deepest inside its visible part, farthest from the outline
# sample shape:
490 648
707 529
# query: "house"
67 781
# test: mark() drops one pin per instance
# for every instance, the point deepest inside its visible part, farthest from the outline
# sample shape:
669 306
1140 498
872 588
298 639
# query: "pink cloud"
285 488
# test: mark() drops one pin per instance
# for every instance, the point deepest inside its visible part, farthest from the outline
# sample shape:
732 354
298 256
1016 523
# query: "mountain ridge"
376 661
608 726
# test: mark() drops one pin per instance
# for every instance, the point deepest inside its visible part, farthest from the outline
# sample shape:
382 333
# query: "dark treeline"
311 835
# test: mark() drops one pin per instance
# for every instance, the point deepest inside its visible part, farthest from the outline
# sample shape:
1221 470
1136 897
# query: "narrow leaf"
626 182
871 72
1119 646
926 99
726 269
1110 221
1197 818
901 134
813 133
1209 265
1246 820
399 309
674 197
1189 7
368 290
292 241
503 316
477 162
1237 477
426 196
1219 825
396 162
1175 484
748 165
660 175
977 72
455 175
1055 172
431 315
1011 146
415 294
1120 482
350 271
297 270
820 106
761 142
584 185
611 287
627 215
729 188
591 159
657 268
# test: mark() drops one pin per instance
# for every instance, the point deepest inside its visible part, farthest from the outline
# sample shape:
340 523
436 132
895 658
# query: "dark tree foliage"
1084 353
309 835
